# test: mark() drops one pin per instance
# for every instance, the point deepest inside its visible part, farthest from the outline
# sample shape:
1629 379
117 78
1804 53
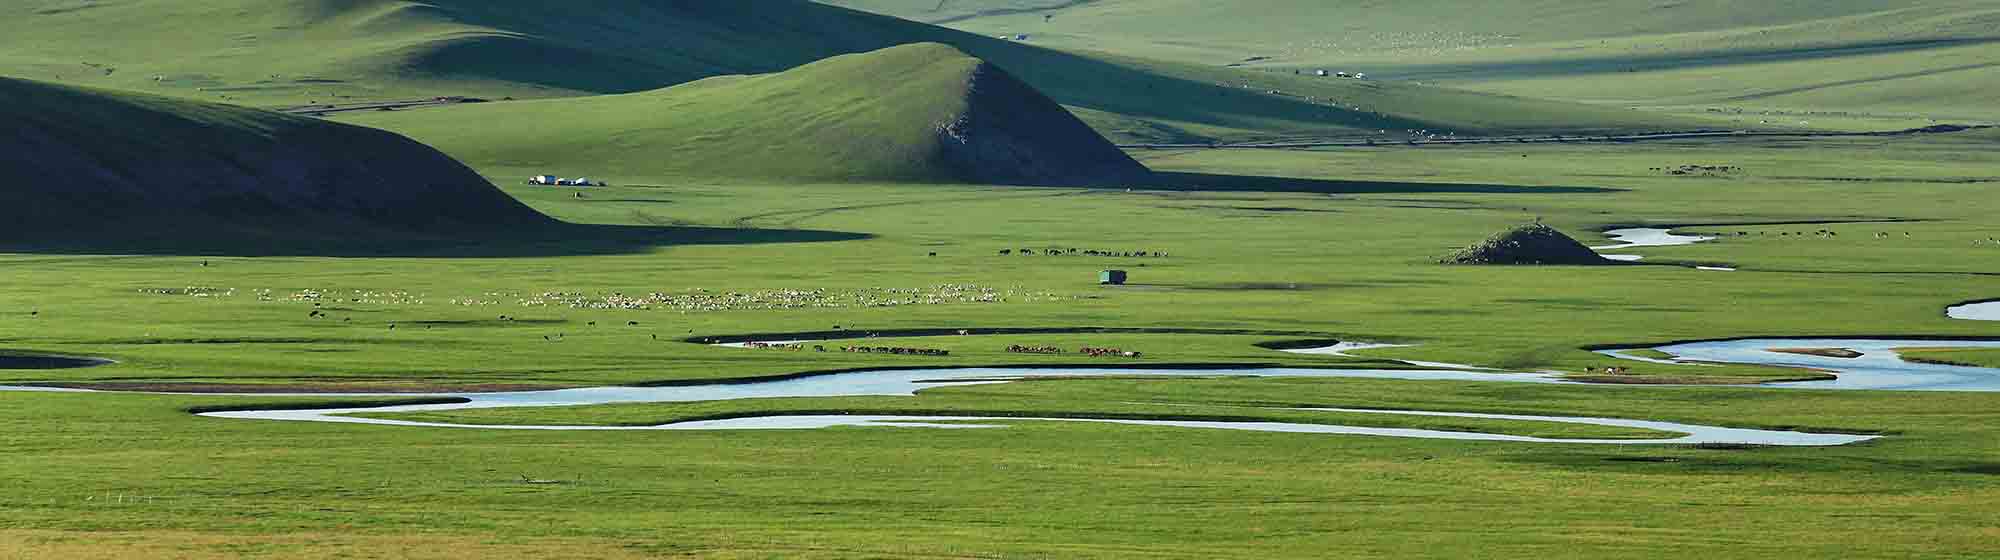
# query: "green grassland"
299 52
134 475
1342 259
1859 236
1339 246
1784 62
802 125
830 121
1953 356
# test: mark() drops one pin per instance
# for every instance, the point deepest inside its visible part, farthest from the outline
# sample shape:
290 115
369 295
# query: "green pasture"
1337 245
1864 64
1864 236
1953 356
134 475
295 53
1334 259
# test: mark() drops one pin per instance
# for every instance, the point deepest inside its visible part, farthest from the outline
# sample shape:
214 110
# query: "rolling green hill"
289 52
1932 58
91 166
945 118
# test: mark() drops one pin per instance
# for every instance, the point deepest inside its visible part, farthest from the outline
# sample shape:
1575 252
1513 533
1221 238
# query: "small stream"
1980 311
1879 368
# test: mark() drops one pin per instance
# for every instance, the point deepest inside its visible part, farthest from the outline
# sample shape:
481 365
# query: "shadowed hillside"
916 113
294 52
89 162
97 171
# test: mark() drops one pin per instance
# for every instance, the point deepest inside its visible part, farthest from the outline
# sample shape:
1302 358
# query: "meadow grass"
1342 265
292 53
1348 258
1848 237
1868 64
127 473
1952 356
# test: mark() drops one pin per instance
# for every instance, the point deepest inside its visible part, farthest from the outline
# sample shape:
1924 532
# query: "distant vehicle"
1320 73
1021 37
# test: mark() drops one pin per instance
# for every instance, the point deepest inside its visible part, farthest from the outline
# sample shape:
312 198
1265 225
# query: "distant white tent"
554 181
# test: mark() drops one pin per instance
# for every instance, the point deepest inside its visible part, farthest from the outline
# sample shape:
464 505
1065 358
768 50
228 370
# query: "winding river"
1877 368
908 382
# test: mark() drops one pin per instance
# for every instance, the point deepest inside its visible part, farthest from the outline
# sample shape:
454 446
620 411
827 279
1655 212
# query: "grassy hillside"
1932 58
92 166
946 118
284 52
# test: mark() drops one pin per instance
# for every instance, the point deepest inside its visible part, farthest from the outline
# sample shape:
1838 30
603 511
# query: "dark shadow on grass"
1255 183
23 361
555 240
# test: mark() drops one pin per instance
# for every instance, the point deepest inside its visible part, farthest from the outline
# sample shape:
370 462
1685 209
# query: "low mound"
914 113
87 166
1530 244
